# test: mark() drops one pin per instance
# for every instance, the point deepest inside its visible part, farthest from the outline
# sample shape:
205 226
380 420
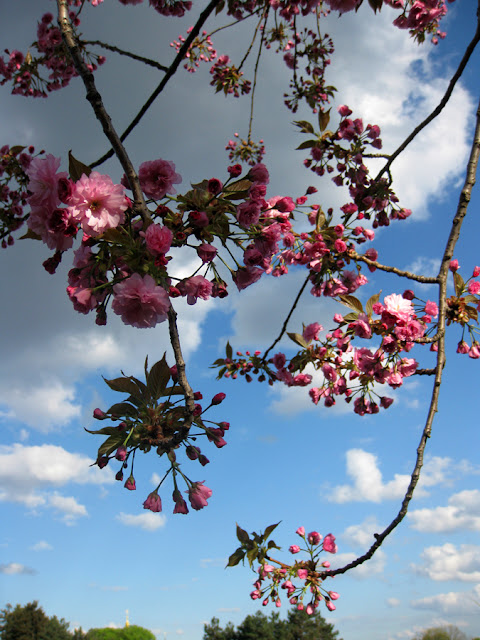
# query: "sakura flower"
329 543
158 239
98 204
140 301
153 502
157 178
180 504
198 495
196 287
44 180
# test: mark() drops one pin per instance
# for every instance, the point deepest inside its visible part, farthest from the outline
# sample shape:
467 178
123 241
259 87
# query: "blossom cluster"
275 577
151 417
26 72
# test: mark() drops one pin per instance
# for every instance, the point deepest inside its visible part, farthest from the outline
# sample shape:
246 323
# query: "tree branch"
129 54
461 212
169 73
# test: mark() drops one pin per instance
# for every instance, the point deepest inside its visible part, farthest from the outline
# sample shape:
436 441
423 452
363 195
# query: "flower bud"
218 398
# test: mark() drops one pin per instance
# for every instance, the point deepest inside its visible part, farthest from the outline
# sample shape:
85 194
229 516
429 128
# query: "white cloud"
68 507
361 535
368 484
149 521
27 472
426 266
41 545
14 568
372 567
44 408
447 562
453 602
393 602
462 512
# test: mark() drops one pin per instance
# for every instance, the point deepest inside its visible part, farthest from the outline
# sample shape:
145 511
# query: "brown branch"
95 100
453 237
399 272
170 72
451 85
129 54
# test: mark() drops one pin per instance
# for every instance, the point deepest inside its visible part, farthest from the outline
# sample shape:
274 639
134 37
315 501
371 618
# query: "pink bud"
314 537
130 484
98 414
330 605
121 453
153 502
333 595
218 398
294 548
454 265
300 531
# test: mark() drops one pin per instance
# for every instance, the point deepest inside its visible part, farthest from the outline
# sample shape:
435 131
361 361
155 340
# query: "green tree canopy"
297 626
449 632
133 632
29 622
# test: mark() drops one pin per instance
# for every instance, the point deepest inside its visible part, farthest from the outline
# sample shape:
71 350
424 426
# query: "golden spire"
127 623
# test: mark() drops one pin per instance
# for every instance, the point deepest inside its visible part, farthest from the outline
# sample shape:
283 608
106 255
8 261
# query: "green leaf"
242 535
352 303
268 530
235 558
459 283
111 443
236 195
16 149
323 119
308 144
76 168
30 235
370 302
252 555
124 385
351 317
298 339
304 126
114 236
243 184
157 379
472 312
271 545
229 351
123 409
219 7
106 431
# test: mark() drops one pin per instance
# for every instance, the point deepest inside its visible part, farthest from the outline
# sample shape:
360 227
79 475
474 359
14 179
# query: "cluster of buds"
201 50
151 418
228 78
275 576
247 151
463 308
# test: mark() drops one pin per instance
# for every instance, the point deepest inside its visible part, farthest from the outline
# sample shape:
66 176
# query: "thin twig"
399 272
129 54
461 212
287 319
255 74
171 71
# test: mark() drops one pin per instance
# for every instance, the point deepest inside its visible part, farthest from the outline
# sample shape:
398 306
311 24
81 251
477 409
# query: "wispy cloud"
148 521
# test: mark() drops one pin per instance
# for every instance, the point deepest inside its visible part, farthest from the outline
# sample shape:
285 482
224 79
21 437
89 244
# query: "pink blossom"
398 307
130 483
314 537
198 495
153 502
300 531
431 308
333 595
330 606
476 272
157 178
196 287
302 574
140 301
180 504
259 173
245 276
44 180
294 548
454 265
248 213
311 331
158 239
206 252
329 544
98 204
474 287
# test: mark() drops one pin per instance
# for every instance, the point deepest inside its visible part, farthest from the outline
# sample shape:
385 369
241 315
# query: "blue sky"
79 543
